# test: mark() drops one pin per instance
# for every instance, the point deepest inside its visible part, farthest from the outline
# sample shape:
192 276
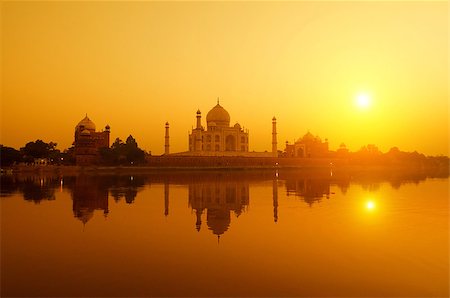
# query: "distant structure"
342 152
219 138
88 142
274 137
166 139
308 146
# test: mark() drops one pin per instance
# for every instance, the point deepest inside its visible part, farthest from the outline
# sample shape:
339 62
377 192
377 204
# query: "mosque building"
219 138
88 142
308 146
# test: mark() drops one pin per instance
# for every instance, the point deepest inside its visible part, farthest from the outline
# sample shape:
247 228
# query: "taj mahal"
219 138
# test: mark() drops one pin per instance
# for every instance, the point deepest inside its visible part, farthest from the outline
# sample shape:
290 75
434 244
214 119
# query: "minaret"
166 144
198 133
107 133
199 119
274 137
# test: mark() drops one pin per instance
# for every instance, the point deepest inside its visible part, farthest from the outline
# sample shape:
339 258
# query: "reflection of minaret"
166 198
166 138
275 199
198 223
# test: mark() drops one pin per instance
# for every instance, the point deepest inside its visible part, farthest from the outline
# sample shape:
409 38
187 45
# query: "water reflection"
275 197
88 194
214 195
218 200
33 188
370 205
311 190
126 187
390 243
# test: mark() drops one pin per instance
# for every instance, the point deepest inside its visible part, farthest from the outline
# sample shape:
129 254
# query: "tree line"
370 155
129 153
120 153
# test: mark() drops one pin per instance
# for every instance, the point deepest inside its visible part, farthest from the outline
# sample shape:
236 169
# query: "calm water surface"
225 234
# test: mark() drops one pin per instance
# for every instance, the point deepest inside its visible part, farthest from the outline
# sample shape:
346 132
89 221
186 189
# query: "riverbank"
125 170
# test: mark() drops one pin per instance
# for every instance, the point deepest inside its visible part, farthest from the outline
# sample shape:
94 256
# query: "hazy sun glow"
370 205
363 100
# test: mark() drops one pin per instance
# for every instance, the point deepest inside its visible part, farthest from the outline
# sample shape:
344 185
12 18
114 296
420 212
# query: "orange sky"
137 65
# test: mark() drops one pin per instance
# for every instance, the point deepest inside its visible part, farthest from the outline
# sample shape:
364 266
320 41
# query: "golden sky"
136 65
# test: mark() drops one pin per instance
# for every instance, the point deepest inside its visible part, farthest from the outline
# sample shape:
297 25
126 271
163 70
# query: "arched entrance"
230 143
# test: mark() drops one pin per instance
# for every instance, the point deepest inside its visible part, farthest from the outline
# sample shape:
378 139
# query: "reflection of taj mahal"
219 199
219 138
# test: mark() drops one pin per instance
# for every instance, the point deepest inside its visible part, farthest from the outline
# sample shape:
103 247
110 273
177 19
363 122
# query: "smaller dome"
237 125
274 119
107 126
198 112
85 133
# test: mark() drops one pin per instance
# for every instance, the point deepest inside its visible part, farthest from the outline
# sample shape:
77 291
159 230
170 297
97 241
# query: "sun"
370 205
363 101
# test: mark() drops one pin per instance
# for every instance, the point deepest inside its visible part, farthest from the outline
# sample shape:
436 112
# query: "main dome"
306 138
218 115
86 123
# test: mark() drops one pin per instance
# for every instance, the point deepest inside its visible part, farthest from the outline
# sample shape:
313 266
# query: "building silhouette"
307 146
219 138
88 142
